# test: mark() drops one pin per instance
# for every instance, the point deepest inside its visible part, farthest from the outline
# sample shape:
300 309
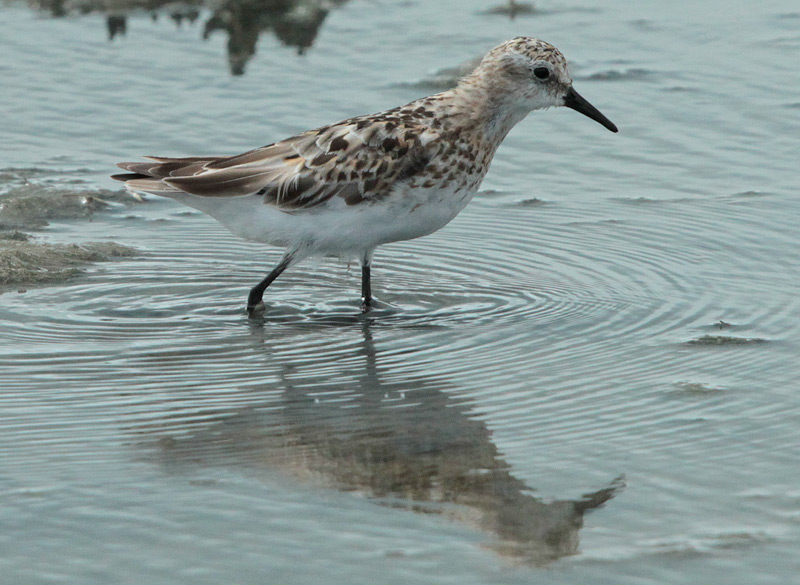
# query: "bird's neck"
488 110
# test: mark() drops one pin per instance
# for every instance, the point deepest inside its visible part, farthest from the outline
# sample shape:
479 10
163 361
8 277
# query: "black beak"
575 101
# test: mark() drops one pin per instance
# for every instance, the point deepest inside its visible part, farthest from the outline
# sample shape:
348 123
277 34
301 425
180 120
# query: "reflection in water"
295 23
117 25
512 9
405 441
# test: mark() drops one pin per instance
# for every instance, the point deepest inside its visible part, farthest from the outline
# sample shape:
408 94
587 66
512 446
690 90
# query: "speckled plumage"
349 187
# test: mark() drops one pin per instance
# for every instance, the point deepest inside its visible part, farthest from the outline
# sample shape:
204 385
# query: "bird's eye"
541 73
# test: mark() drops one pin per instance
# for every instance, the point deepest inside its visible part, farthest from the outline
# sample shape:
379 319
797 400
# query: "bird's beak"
576 101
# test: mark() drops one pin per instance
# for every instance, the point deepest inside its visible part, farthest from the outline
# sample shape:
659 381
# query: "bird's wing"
357 160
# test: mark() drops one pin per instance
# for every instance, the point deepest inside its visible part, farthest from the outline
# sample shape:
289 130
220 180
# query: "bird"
346 188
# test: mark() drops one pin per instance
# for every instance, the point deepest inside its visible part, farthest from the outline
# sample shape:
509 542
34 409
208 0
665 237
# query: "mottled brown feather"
359 160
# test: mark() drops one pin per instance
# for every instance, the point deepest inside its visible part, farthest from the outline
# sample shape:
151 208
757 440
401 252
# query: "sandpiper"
347 188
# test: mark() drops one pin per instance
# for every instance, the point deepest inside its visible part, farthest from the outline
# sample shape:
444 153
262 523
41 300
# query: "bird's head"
532 74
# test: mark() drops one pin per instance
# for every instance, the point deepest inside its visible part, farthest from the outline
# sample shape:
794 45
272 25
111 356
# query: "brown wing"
357 160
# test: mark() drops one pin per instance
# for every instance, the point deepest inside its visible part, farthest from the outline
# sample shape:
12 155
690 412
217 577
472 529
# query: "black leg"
257 292
366 286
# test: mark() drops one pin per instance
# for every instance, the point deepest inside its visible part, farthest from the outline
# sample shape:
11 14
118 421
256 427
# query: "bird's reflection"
512 9
117 25
295 23
403 440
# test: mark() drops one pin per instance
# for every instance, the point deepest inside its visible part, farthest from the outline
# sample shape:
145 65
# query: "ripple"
548 343
617 276
630 74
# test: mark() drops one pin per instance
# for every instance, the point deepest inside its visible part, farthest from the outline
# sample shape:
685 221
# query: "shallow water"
588 377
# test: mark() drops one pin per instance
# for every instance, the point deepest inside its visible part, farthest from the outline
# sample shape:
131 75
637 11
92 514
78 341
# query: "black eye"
541 73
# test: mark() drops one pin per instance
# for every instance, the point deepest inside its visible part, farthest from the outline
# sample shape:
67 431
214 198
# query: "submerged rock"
27 204
29 262
32 206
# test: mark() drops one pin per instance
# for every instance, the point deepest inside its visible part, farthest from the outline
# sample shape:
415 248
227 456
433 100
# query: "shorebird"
347 188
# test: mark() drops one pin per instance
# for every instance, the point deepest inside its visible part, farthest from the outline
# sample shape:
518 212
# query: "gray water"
590 376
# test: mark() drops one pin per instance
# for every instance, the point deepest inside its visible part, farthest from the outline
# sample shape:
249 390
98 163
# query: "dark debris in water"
29 262
696 388
652 200
725 340
532 202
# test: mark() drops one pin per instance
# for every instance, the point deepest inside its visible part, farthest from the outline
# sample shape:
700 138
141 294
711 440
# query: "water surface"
588 377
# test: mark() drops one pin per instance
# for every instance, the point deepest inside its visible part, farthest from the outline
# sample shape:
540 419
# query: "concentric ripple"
591 315
517 282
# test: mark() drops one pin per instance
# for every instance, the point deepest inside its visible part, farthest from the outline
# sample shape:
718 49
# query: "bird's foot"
255 310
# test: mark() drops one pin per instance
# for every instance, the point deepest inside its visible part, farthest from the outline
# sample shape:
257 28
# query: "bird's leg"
366 287
257 292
